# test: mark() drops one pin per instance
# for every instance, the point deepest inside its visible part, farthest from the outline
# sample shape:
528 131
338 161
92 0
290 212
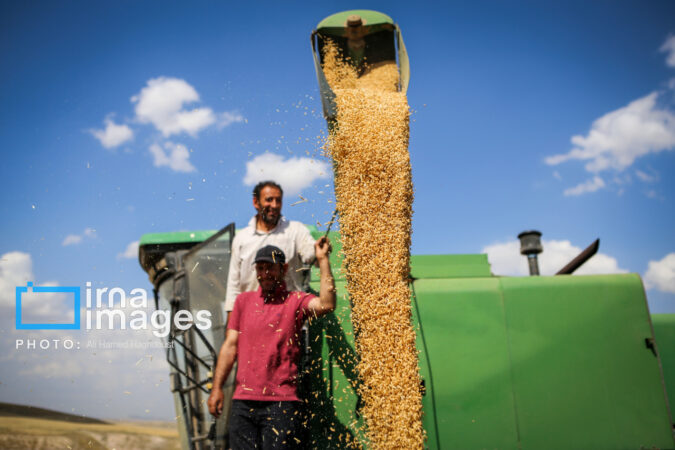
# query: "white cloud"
113 135
228 118
623 179
619 137
130 252
71 239
176 157
74 239
660 275
16 269
585 187
47 307
293 174
161 103
647 178
505 259
669 47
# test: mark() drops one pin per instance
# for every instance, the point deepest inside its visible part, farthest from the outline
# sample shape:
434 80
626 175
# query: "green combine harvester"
554 362
539 362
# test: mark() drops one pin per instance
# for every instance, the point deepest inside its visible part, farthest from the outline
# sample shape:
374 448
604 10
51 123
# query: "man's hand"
322 248
216 402
226 358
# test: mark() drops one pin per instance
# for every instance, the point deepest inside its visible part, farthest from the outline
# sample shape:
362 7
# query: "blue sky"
125 118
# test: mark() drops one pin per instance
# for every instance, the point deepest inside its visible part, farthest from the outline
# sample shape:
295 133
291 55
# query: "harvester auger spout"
364 38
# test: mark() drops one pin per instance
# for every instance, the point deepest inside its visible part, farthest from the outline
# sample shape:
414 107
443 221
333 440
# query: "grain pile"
374 193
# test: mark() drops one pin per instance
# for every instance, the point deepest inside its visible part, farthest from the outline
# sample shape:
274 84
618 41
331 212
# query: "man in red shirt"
263 336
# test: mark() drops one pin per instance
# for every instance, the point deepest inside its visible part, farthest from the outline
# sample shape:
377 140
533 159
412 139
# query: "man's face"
270 275
269 205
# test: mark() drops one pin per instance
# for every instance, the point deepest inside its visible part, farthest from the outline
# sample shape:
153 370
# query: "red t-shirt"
268 347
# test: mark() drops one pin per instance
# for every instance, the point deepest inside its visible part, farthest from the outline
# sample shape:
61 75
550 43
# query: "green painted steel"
466 346
508 363
664 332
514 363
449 266
175 237
384 42
333 401
335 256
422 266
581 372
335 24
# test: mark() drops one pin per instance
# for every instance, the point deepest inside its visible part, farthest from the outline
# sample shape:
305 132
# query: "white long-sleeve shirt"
292 237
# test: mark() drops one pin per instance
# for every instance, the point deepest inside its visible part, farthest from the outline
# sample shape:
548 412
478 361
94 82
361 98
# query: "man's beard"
271 292
269 220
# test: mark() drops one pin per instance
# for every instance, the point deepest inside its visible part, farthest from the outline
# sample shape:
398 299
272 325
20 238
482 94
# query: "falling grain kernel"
302 200
374 194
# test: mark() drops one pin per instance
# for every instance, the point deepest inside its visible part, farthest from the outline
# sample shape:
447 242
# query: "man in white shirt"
267 227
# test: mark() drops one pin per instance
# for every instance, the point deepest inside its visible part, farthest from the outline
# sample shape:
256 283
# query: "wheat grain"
374 194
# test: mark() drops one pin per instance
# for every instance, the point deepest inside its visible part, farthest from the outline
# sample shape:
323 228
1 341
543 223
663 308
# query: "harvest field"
45 429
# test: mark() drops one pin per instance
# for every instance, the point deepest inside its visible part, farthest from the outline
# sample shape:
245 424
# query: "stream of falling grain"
374 193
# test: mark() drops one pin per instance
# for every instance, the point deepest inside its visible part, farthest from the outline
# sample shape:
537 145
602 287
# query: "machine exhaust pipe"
530 246
580 258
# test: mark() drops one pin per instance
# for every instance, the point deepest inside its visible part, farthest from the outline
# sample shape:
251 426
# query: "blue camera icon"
75 290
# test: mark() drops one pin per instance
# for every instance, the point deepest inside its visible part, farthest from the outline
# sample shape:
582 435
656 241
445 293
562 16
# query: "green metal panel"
403 61
336 23
582 375
335 28
335 256
333 400
429 417
449 266
664 332
463 325
519 363
508 363
176 237
421 266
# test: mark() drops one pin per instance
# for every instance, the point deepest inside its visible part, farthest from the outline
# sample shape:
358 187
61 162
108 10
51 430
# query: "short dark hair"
259 187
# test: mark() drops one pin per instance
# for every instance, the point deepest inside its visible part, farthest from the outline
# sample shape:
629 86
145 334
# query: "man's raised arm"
325 302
